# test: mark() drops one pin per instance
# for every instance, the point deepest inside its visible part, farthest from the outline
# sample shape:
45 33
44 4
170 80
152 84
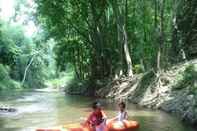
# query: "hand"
104 120
83 118
82 124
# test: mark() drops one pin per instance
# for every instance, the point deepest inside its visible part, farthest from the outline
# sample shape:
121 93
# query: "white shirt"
122 116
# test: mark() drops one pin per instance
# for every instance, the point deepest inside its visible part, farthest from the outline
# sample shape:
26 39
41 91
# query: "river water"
48 109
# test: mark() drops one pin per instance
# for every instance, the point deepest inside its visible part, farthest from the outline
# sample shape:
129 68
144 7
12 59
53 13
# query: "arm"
88 120
126 116
115 118
104 115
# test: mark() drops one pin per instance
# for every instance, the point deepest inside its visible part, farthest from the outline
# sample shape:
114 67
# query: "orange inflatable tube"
111 126
48 130
122 126
80 129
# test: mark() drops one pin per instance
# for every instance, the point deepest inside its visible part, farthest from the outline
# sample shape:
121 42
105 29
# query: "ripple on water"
39 109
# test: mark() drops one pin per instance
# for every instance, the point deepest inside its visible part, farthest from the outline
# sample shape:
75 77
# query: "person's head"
96 106
121 106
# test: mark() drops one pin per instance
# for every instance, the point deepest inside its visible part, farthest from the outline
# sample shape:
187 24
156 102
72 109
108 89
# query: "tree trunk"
142 65
160 53
26 69
126 47
158 60
121 23
97 39
127 54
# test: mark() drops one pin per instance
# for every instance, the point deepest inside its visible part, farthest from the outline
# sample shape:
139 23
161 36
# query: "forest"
24 60
102 40
109 39
143 51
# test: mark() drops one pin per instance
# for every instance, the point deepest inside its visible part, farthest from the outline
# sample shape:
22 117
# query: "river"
48 109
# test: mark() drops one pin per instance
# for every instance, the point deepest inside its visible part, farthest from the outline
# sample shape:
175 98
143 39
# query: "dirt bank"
174 90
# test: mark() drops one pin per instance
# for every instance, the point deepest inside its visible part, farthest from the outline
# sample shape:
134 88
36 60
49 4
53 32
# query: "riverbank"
173 91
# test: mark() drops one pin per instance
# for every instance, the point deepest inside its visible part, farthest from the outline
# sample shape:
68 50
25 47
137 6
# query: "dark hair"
95 105
122 104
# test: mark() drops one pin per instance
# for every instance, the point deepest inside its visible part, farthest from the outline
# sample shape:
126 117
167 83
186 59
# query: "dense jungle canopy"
100 39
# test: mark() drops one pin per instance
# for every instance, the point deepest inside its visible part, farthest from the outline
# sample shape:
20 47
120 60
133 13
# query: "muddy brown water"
48 109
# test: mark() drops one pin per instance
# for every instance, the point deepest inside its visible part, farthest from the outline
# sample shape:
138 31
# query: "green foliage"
190 75
188 79
8 44
5 81
97 37
187 26
184 31
138 69
64 80
89 36
17 50
77 87
4 72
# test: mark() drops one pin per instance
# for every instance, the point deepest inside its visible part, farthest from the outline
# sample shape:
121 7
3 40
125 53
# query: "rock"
7 109
190 97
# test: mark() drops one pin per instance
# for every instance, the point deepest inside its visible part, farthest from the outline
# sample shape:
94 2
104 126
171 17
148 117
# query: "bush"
5 81
77 87
4 72
137 69
189 78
